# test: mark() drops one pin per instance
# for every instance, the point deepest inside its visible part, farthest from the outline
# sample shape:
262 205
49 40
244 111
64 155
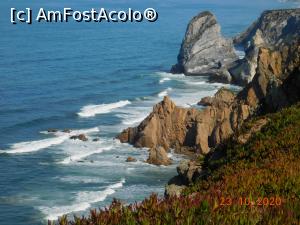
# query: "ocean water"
95 79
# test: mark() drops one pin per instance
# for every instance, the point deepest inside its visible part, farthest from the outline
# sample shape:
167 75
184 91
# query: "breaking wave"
93 110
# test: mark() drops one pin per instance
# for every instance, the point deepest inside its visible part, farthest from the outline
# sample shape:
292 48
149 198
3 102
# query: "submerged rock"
204 51
158 156
131 159
80 137
51 130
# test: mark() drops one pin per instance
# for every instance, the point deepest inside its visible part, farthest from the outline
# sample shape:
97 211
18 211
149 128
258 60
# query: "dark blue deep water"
96 79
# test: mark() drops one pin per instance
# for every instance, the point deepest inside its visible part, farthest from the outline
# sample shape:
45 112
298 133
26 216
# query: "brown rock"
131 159
189 171
158 156
273 29
223 96
206 101
80 137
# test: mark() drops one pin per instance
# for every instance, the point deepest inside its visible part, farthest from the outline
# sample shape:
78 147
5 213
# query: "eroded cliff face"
204 51
273 29
275 85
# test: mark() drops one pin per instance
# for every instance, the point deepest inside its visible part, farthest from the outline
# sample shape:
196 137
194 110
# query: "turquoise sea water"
95 79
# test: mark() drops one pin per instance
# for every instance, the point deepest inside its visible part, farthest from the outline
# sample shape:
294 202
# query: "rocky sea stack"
204 51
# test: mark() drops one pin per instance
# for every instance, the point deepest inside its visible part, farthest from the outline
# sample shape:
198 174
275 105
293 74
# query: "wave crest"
83 201
93 110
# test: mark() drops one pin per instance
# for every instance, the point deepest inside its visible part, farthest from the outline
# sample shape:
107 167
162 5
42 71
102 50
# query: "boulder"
173 190
273 29
131 159
204 51
96 139
189 171
80 137
158 156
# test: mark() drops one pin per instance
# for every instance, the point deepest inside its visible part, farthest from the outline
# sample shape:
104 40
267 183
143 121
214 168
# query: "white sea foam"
81 155
92 110
33 146
53 213
165 92
81 179
171 75
163 80
195 83
132 121
83 201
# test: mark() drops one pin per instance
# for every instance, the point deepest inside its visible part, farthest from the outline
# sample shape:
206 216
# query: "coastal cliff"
272 29
275 85
246 147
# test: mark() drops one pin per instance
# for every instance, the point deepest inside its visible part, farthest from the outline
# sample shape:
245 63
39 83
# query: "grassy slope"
267 166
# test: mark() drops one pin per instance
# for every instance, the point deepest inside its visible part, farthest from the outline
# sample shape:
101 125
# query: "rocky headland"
274 85
244 144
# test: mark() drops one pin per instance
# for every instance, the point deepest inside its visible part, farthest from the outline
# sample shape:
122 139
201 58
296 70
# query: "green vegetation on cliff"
265 170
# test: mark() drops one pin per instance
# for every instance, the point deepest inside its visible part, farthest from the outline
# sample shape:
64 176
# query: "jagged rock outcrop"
222 96
273 29
275 85
277 80
158 156
204 51
181 129
168 126
188 172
